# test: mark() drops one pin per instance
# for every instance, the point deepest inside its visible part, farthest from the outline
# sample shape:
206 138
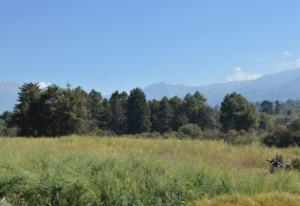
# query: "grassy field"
132 171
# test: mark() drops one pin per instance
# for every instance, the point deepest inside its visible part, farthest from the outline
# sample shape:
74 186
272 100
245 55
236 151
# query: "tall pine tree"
73 110
51 112
154 118
95 109
138 112
179 117
118 104
198 112
27 111
237 113
105 115
165 115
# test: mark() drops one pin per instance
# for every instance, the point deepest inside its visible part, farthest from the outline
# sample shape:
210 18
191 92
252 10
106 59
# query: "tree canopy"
57 111
237 113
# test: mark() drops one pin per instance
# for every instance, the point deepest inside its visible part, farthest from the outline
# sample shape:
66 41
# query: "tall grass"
130 171
266 199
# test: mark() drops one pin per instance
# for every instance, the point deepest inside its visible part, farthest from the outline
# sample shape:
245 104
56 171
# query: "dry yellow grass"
265 199
214 153
142 171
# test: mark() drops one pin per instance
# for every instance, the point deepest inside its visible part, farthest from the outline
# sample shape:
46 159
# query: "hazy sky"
122 44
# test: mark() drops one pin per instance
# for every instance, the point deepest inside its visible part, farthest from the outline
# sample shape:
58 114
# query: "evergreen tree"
237 113
118 104
179 118
165 115
62 111
138 112
51 111
105 115
94 104
266 107
154 109
198 112
95 108
26 114
278 107
73 111
5 116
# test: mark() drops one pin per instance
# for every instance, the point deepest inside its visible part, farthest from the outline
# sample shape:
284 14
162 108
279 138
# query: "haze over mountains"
278 86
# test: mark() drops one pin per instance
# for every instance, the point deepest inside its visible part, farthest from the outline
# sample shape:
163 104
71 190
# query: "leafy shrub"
284 136
294 139
6 131
265 122
240 137
294 126
296 164
190 130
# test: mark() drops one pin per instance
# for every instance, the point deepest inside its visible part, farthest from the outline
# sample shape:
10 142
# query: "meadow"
127 170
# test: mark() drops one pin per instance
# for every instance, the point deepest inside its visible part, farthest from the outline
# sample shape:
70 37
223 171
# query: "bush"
296 164
6 131
294 126
265 122
285 136
280 137
190 130
240 137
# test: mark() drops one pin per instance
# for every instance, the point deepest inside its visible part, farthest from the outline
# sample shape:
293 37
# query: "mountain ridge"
277 86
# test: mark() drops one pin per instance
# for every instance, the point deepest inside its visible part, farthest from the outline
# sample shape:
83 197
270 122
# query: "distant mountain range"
278 86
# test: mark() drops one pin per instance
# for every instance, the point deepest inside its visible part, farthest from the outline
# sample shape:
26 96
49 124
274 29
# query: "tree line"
56 111
286 108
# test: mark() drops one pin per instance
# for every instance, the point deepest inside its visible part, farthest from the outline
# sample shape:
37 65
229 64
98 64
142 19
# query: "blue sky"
112 44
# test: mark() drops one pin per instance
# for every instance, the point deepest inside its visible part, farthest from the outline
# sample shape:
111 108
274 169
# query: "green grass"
131 171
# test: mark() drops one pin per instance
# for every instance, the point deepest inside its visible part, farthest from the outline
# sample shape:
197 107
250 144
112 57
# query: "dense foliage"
190 130
56 111
138 112
237 113
285 136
